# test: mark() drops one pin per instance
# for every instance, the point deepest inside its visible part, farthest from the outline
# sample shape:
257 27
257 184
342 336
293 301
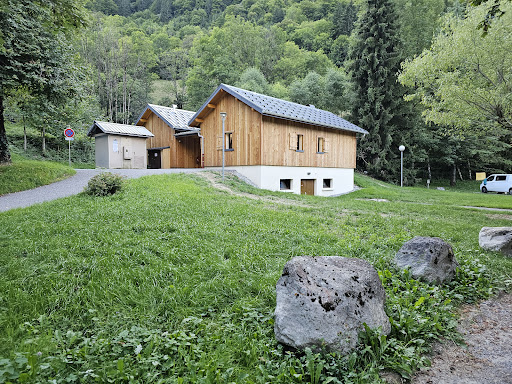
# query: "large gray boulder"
324 301
428 258
497 239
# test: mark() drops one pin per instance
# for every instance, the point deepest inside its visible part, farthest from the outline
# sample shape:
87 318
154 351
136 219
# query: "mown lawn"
25 174
172 281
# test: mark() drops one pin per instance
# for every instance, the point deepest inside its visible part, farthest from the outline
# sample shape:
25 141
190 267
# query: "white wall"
108 157
268 177
101 151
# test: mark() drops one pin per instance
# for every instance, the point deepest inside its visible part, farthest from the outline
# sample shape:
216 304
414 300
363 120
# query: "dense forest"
433 75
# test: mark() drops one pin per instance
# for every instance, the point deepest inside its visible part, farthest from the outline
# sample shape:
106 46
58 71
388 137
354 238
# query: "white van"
497 183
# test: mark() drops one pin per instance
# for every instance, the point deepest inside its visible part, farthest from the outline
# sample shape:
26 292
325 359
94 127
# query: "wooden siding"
244 122
164 134
184 152
261 140
187 152
165 158
279 135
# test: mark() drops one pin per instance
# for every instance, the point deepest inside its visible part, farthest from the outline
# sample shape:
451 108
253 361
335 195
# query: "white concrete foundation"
269 177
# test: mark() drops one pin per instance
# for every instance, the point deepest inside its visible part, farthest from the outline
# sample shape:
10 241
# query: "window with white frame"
327 184
285 184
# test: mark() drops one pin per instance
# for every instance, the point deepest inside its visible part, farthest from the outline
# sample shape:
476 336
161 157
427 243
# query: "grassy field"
172 281
25 174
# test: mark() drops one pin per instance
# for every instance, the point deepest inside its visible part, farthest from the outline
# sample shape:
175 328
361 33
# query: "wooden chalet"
277 144
175 144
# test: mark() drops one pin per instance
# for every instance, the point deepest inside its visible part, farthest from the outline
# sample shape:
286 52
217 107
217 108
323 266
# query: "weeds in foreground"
173 282
227 347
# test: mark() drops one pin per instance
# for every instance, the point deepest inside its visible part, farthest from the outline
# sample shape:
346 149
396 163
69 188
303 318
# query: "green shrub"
104 184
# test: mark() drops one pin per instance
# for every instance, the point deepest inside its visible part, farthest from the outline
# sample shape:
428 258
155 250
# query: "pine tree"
373 63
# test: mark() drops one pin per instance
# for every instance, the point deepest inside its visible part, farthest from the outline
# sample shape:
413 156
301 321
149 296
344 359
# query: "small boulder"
428 258
324 301
496 239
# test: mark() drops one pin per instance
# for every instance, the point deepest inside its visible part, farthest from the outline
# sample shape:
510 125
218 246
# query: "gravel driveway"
74 185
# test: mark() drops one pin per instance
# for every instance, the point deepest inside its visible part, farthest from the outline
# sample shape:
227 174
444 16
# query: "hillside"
174 280
108 60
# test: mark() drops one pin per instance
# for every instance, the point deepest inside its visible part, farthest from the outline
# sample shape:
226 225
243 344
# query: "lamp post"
402 149
223 115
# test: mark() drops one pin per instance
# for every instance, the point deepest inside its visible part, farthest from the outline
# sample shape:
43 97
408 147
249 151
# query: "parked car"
497 183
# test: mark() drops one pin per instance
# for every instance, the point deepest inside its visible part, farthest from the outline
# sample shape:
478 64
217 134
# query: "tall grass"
25 174
173 281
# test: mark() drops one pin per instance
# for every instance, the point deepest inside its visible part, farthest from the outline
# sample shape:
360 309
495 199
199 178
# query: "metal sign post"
401 149
223 115
69 133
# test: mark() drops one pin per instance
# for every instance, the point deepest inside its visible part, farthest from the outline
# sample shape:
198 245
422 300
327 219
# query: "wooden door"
307 187
154 159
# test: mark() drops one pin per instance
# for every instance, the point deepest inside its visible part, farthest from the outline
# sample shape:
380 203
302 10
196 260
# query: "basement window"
300 143
327 184
228 141
285 184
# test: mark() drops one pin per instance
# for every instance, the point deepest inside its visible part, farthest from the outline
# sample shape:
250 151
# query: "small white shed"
120 145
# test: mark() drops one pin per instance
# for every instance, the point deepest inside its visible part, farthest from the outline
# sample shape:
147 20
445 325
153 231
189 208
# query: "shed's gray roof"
118 129
173 117
271 106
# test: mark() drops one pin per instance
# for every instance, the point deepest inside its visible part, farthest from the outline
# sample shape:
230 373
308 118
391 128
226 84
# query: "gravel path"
487 356
74 185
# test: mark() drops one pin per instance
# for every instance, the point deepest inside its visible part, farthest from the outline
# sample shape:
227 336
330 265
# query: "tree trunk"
429 170
5 155
469 170
24 134
453 179
44 138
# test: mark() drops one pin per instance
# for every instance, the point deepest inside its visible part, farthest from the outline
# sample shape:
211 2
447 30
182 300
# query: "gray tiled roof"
174 118
271 106
118 129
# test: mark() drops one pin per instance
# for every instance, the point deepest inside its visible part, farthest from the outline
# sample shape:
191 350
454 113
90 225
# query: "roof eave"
142 114
160 116
205 104
226 88
152 109
89 132
240 97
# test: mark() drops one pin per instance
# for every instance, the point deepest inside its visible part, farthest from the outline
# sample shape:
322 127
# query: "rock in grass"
497 239
428 258
324 301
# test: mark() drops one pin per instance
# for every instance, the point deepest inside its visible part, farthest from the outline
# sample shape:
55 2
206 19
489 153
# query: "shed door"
154 158
307 187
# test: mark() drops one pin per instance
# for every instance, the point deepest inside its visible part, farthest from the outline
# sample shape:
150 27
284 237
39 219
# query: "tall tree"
122 65
464 80
419 21
30 35
373 63
253 80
